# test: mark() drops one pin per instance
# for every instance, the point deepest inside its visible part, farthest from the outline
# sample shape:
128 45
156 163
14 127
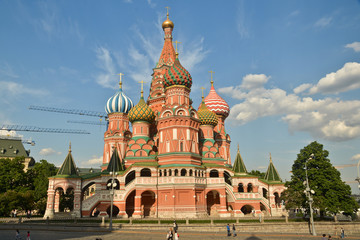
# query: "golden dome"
167 23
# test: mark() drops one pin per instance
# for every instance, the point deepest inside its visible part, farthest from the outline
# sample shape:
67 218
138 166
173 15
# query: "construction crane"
39 129
70 111
27 141
88 122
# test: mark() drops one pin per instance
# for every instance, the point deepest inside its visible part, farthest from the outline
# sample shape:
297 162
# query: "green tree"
12 175
331 193
39 174
257 173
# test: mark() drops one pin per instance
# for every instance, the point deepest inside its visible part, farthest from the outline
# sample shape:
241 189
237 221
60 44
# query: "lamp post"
112 185
308 195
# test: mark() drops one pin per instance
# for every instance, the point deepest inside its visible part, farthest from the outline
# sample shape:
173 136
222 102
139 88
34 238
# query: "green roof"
115 163
271 173
239 166
12 147
68 168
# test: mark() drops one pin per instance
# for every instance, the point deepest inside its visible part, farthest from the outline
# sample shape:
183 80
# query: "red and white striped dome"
216 103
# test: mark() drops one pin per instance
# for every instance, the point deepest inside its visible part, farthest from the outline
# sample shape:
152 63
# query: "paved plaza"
148 235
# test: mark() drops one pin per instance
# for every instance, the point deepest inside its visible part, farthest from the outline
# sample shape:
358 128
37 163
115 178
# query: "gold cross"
142 87
212 82
120 83
167 12
176 44
202 92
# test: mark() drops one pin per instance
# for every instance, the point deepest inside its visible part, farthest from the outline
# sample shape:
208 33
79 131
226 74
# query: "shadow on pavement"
253 237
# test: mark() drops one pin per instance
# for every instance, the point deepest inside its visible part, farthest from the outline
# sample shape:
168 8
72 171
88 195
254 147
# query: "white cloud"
302 88
355 157
344 79
48 152
195 53
94 161
252 81
240 21
355 46
328 118
11 133
323 22
142 55
53 24
7 71
106 64
9 88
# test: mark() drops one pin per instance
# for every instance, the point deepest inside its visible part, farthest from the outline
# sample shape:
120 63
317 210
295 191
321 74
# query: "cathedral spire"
68 168
115 163
168 54
239 165
271 173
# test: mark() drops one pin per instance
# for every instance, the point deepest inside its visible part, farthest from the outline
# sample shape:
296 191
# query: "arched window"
240 187
176 172
170 172
214 173
181 146
130 177
249 187
160 173
227 178
190 172
165 173
145 172
265 192
183 172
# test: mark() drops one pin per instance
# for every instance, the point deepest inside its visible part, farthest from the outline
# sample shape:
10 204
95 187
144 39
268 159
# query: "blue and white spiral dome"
119 103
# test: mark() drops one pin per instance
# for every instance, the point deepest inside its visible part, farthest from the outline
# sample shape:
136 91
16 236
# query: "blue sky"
289 70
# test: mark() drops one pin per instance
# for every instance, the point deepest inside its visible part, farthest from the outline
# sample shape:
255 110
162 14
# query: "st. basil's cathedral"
173 163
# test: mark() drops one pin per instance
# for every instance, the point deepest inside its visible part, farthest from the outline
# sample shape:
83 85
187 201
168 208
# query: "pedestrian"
342 233
176 236
170 234
234 230
228 230
28 235
324 237
175 226
329 237
15 213
17 234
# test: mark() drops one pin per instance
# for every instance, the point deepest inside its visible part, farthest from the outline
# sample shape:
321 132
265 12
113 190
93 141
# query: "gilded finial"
70 146
167 12
167 23
202 92
176 47
120 82
270 158
212 82
142 88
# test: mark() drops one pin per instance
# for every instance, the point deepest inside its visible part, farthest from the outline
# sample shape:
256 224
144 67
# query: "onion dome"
216 103
206 116
141 112
167 23
119 103
177 75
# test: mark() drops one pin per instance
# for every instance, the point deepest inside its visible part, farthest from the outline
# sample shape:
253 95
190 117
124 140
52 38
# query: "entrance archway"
247 209
115 211
130 203
147 203
213 202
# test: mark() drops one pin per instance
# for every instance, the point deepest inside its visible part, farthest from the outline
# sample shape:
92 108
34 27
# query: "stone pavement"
146 235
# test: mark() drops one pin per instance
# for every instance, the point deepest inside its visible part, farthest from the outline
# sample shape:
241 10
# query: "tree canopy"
331 193
24 190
